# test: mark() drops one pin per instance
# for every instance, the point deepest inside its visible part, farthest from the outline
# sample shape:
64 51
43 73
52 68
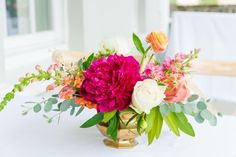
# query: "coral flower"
82 102
78 81
66 93
51 87
67 81
177 93
109 82
158 41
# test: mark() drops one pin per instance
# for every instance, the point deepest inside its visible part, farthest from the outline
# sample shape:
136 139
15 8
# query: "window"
32 24
228 6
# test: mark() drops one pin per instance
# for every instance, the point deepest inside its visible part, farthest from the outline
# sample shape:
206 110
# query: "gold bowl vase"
125 136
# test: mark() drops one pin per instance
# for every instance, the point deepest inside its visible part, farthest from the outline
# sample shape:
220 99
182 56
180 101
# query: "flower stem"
143 58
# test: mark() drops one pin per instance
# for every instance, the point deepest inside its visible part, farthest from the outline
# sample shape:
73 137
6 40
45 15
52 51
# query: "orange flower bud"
158 41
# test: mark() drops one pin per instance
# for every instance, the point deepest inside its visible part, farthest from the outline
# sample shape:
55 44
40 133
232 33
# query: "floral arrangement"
113 84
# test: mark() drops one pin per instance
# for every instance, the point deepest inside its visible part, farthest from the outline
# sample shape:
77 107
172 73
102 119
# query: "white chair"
215 34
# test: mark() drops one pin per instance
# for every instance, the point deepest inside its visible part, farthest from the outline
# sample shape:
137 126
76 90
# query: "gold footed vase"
126 134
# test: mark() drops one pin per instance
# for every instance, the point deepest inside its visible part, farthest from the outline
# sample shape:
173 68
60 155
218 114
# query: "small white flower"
146 95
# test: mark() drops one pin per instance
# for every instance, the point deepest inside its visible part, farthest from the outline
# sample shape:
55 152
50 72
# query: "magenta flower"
109 82
154 71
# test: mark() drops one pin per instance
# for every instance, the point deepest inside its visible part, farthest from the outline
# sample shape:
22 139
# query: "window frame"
35 40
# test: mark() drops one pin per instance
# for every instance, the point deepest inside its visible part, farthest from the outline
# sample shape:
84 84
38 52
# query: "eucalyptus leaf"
48 107
199 118
201 105
206 114
193 98
79 111
164 109
72 111
52 100
213 121
178 108
188 108
93 121
64 106
37 108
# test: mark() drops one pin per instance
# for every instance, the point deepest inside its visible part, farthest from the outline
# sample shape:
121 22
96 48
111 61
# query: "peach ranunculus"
82 102
66 93
158 41
177 93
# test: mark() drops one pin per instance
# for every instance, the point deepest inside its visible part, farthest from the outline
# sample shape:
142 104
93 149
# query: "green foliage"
154 124
93 121
201 105
37 108
72 111
132 118
138 44
64 106
87 63
193 98
113 126
108 116
170 120
183 124
79 111
164 108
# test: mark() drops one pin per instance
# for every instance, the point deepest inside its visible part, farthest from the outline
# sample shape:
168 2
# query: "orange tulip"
158 41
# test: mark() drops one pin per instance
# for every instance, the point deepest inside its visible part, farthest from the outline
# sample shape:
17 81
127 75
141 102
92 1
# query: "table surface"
32 136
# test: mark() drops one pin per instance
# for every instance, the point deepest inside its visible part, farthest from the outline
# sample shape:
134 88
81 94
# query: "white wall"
91 21
2 65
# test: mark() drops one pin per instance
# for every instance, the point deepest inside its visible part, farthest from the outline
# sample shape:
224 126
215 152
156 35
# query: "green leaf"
80 64
188 108
138 43
48 107
53 100
108 116
213 121
183 124
113 128
193 98
164 109
201 105
64 106
156 125
37 108
132 118
199 118
93 121
159 123
87 63
178 108
150 118
79 111
206 114
171 123
72 111
139 122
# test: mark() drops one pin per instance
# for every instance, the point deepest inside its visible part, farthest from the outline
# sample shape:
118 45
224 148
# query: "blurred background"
30 30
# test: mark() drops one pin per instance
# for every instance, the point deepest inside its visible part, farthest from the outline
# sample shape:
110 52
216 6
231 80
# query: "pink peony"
109 82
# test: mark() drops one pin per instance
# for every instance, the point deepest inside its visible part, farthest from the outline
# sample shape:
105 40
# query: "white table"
32 136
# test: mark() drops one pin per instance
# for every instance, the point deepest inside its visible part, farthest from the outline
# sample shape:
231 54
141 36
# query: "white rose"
146 95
